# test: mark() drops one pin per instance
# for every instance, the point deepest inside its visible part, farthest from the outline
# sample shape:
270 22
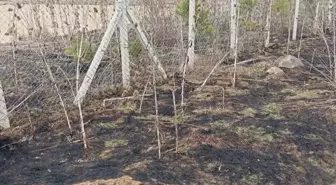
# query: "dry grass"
124 180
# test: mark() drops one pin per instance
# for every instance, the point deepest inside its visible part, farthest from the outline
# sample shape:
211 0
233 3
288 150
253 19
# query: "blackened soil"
292 143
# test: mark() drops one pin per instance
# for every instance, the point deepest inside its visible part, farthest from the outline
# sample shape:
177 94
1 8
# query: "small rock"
289 61
275 71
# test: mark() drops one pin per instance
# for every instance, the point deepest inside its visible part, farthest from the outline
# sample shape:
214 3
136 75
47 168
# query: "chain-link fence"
39 45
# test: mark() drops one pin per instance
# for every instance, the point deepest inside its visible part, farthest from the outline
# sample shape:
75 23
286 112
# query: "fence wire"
42 37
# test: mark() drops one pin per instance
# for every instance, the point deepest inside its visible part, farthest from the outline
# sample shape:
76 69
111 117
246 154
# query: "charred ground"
269 131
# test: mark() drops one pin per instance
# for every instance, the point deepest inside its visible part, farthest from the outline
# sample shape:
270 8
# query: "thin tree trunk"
123 34
156 113
289 27
330 14
233 29
14 40
175 115
235 53
316 23
334 42
192 34
268 23
296 18
301 35
52 78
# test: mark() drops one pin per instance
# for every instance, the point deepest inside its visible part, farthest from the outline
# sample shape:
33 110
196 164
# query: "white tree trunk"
123 29
4 120
330 14
334 40
316 22
235 53
233 23
268 23
296 18
192 34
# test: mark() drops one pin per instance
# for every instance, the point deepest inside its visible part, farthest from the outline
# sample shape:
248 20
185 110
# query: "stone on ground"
289 61
275 71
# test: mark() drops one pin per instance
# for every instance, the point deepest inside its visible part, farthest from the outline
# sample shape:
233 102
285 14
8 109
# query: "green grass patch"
299 169
252 179
258 71
213 111
211 167
173 119
115 143
323 165
110 146
272 110
237 92
313 137
313 162
307 94
249 112
222 124
254 133
204 96
285 132
81 49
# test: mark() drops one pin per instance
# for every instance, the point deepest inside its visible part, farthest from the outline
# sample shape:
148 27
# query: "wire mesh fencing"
40 45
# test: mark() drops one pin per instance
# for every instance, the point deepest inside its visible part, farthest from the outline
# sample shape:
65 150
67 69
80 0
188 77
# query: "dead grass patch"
136 166
124 180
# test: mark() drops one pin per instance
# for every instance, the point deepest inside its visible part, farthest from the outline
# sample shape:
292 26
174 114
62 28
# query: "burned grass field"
270 130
